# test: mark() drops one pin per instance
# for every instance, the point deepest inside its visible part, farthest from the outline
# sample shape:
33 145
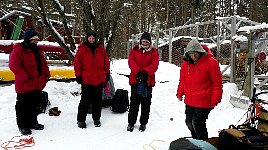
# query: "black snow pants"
91 94
196 121
135 102
26 108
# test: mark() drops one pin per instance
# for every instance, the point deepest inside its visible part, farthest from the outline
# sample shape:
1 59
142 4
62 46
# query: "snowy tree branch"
52 30
64 21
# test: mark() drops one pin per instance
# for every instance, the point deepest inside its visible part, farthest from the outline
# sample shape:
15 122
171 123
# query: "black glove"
107 77
142 76
78 79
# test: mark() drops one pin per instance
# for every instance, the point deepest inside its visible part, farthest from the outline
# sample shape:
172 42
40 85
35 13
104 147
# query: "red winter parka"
147 61
92 68
22 63
201 83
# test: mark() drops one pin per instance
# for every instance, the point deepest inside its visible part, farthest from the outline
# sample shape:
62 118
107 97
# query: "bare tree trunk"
167 9
114 24
88 16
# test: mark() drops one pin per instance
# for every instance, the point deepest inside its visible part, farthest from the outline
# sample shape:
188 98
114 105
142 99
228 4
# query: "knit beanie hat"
146 36
91 33
30 34
194 45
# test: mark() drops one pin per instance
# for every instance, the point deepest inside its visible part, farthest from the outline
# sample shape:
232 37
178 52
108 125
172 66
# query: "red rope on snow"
18 142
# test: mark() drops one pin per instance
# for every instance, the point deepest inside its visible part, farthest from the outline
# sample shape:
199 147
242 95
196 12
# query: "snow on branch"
59 4
6 16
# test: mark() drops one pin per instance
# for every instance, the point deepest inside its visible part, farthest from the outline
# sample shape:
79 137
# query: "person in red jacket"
31 71
143 62
92 70
201 83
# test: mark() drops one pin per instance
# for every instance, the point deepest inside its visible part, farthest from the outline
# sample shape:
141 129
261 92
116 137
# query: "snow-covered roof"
250 29
12 42
7 45
175 39
241 38
11 13
6 16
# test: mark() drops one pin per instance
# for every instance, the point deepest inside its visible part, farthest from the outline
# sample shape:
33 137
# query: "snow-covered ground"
61 132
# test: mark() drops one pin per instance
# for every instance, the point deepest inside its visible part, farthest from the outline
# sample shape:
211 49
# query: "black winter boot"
38 127
81 124
142 127
130 128
25 131
97 123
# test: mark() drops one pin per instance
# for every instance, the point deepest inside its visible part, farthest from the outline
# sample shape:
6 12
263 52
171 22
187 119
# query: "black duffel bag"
242 137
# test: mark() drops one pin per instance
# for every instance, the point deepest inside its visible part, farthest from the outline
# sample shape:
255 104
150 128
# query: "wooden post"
170 46
233 32
250 64
1 31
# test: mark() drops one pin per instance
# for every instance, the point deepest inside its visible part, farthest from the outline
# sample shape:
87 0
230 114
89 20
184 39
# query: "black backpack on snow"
120 102
44 103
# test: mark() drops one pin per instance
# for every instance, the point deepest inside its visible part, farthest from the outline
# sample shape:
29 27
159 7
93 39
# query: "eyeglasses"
147 42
